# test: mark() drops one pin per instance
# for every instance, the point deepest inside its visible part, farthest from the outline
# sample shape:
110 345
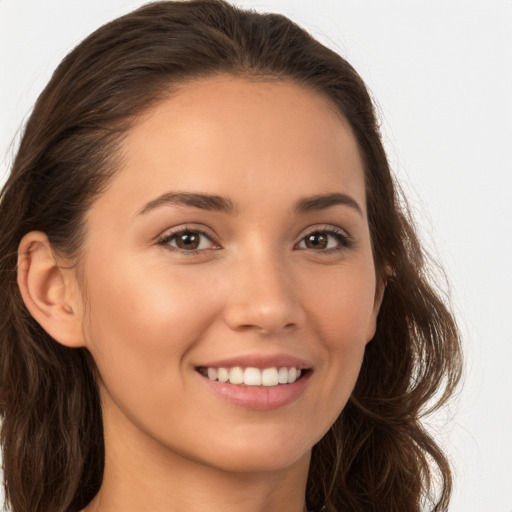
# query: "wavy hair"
377 456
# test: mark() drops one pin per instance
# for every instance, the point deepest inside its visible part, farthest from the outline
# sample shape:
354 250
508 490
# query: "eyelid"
164 238
344 238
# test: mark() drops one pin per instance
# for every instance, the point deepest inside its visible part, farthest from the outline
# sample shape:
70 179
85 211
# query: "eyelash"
166 240
344 240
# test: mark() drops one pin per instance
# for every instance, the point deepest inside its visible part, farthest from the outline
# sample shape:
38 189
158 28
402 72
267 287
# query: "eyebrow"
194 200
322 202
221 204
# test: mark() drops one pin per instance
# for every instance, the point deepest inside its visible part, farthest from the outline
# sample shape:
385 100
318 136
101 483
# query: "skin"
152 312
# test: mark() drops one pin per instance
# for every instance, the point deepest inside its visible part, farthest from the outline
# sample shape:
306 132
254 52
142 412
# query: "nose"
263 297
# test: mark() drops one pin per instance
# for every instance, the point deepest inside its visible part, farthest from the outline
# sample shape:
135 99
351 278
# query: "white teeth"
283 375
254 376
292 375
236 375
270 377
222 375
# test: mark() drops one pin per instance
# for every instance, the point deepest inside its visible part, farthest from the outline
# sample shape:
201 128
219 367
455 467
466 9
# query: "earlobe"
49 291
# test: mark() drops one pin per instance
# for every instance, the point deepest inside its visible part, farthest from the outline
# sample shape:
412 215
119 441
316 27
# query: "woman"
212 298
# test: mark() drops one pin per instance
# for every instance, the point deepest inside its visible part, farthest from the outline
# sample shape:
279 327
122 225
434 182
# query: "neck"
141 474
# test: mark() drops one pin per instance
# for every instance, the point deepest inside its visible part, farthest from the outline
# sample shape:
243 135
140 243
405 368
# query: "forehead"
234 136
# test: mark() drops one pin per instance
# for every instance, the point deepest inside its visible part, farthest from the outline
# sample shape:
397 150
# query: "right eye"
188 241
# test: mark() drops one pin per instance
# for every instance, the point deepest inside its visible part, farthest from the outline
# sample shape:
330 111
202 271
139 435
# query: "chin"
260 450
262 462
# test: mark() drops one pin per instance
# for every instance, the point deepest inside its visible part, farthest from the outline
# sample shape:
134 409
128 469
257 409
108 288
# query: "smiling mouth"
250 376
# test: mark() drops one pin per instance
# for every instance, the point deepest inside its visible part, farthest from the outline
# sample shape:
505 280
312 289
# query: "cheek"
341 312
342 306
143 321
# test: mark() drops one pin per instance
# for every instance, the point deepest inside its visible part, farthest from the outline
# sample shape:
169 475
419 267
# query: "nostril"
262 311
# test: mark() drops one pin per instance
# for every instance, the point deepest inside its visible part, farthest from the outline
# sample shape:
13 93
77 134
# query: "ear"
380 288
50 290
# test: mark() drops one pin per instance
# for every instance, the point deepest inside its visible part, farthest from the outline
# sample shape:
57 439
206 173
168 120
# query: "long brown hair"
377 456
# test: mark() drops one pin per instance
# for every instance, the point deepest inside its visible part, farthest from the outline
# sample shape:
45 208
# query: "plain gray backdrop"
441 74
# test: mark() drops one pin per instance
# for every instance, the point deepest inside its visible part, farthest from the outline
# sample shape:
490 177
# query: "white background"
441 72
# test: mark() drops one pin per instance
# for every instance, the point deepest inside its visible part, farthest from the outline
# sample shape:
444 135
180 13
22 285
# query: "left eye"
188 240
324 240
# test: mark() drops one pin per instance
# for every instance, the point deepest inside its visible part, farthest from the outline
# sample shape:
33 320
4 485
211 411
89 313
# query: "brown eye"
316 241
326 240
188 240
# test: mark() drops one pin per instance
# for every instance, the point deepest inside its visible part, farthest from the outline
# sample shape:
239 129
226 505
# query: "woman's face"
234 237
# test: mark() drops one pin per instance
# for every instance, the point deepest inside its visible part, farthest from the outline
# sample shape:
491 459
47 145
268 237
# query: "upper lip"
259 361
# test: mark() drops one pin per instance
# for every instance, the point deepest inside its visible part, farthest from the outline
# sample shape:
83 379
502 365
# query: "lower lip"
258 397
